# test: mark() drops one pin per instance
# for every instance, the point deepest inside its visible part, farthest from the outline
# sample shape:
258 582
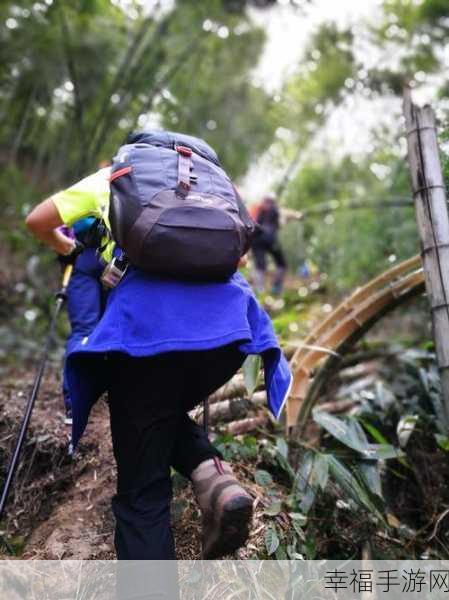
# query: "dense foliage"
76 77
358 209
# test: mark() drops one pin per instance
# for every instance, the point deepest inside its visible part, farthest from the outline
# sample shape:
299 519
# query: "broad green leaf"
310 547
274 509
340 430
307 499
271 540
442 441
316 469
405 429
350 433
370 474
303 472
251 372
282 458
303 482
263 478
282 447
382 452
377 435
281 553
350 486
357 430
285 466
320 471
298 517
298 530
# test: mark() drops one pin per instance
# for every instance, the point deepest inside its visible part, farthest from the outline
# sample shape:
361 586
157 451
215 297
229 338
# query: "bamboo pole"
433 224
345 308
333 362
247 425
232 409
234 388
346 320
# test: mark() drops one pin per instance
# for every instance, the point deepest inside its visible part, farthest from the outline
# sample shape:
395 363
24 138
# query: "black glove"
70 259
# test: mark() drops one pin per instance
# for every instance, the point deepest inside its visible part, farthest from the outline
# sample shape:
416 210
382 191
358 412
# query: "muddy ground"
60 506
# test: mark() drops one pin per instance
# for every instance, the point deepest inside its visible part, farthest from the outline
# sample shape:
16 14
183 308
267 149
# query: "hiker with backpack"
178 323
266 243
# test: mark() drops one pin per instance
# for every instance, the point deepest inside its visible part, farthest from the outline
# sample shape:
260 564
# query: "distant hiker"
175 328
266 242
85 296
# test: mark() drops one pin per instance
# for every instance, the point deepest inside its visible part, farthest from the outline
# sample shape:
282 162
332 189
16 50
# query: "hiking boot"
225 506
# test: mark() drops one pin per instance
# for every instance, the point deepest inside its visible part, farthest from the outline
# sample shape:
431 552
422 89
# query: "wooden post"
433 224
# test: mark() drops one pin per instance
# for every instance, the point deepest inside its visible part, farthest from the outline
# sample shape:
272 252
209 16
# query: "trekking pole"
60 299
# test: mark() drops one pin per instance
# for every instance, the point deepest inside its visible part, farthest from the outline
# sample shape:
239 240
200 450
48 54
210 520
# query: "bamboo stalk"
247 425
333 362
348 304
234 388
234 408
349 328
345 328
433 225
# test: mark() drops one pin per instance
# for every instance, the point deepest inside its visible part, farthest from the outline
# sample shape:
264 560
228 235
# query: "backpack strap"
184 166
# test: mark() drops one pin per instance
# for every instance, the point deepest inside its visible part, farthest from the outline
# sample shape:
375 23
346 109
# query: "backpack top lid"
171 139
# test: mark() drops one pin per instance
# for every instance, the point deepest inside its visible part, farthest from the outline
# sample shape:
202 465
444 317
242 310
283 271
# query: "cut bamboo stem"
232 409
234 388
247 425
344 323
433 225
332 364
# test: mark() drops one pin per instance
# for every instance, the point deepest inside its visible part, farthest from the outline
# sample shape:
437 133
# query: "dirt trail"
80 525
61 507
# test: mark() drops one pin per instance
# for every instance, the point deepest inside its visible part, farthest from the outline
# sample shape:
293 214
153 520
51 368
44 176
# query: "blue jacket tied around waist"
146 315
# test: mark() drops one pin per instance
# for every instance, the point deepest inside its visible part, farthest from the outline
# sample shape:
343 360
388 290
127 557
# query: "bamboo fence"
364 307
432 217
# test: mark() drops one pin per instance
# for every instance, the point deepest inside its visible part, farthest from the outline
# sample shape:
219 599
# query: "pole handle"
66 276
62 294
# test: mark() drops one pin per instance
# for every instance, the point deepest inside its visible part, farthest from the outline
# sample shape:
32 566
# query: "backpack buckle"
114 272
184 150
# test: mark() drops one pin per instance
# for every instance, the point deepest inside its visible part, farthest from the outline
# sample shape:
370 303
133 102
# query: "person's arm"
88 197
43 221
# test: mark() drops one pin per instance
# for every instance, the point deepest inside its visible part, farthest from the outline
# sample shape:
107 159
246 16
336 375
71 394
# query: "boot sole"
233 528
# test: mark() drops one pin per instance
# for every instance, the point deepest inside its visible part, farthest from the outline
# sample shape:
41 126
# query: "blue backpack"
174 211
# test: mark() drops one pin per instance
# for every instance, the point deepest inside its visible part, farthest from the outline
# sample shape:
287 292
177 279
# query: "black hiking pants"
149 399
264 245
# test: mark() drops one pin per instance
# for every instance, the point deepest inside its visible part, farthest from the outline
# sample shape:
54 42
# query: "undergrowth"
384 465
